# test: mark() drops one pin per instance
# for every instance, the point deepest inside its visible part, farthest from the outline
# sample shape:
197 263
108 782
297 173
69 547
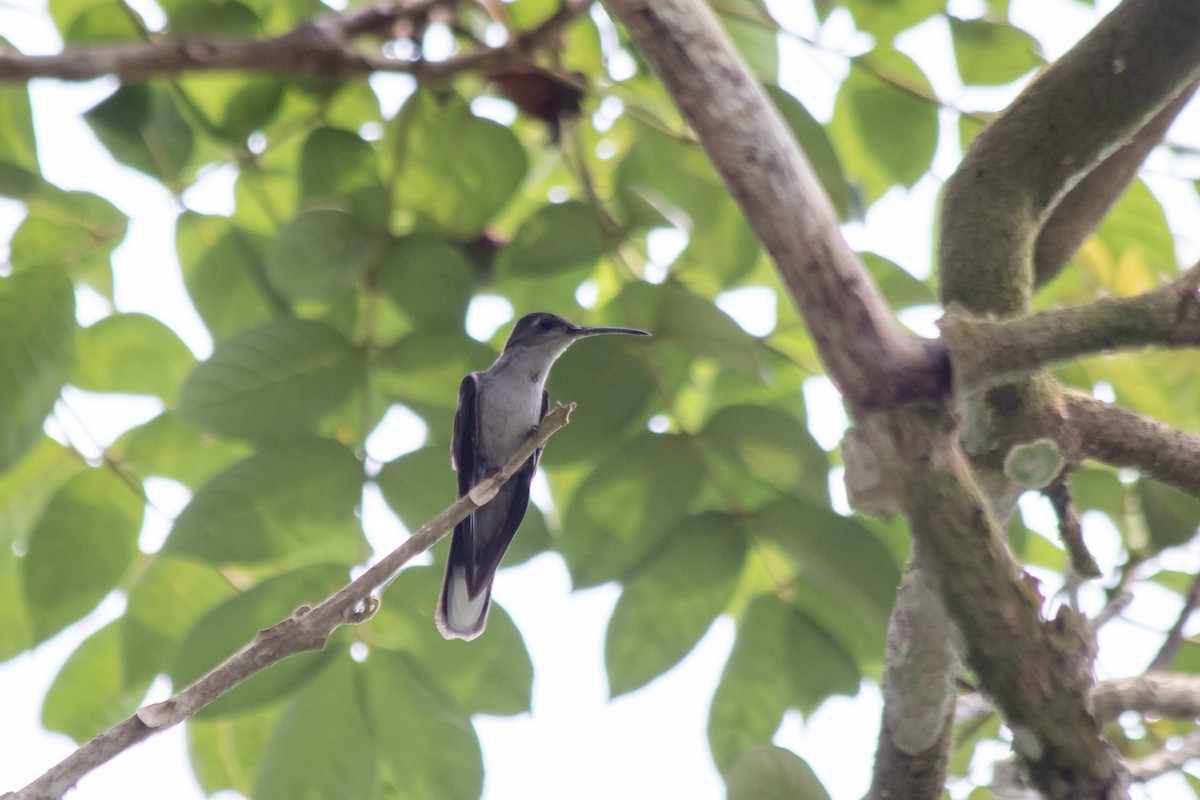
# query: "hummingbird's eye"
546 324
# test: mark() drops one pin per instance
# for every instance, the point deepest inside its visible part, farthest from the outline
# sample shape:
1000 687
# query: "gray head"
551 334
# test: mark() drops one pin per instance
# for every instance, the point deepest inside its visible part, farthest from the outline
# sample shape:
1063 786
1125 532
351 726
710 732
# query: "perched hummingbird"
497 410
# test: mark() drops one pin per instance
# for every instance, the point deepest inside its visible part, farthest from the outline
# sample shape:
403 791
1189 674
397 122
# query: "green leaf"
814 141
224 273
228 18
668 606
1132 248
772 446
320 253
80 548
885 18
425 369
226 753
37 338
990 53
323 746
171 448
1172 517
754 33
696 326
230 625
430 280
666 181
491 675
233 105
429 752
72 230
141 127
418 485
885 135
555 238
899 287
612 384
100 23
339 169
294 501
273 383
625 506
19 168
454 171
167 600
780 660
768 772
846 577
133 354
89 694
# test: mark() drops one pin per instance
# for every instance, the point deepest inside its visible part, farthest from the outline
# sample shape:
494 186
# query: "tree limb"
986 353
1095 97
1161 693
873 361
317 47
307 628
1111 434
1080 211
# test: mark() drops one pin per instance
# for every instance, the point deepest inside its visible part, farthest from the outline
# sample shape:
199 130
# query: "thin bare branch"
874 362
1115 436
1070 530
987 353
318 47
1170 646
1176 696
308 628
1167 759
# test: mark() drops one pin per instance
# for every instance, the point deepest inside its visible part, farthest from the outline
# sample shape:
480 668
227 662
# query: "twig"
307 628
1166 653
318 47
1070 530
988 353
1166 760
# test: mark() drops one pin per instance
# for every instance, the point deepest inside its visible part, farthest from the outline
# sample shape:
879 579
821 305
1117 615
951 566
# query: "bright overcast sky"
650 743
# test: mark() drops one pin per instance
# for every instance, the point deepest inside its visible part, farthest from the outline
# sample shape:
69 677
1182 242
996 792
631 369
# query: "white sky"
650 743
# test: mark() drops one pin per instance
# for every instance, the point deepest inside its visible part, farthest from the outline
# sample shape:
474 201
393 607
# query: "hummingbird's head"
551 334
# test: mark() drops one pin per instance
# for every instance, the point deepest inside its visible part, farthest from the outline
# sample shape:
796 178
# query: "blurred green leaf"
272 383
224 273
667 606
418 485
899 287
556 237
95 23
80 548
773 447
169 447
37 343
768 772
234 106
89 694
430 280
885 18
131 353
990 53
75 230
454 171
1132 248
226 753
428 751
227 627
323 746
197 18
753 32
496 679
340 170
846 577
425 369
780 660
163 605
19 168
142 128
885 135
320 253
1172 517
288 502
626 505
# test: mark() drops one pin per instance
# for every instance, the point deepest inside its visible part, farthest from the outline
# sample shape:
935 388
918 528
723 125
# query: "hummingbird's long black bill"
580 331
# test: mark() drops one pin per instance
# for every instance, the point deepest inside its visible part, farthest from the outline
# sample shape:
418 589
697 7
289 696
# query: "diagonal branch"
1107 433
1080 211
317 47
986 353
874 362
306 629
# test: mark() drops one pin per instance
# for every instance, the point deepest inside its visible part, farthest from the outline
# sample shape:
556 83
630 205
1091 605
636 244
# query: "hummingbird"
497 409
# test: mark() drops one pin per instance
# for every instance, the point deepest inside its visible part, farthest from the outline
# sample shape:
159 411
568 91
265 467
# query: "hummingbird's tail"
460 616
